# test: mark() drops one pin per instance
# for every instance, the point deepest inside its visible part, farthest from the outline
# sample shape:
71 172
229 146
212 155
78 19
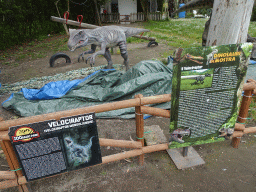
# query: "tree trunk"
229 22
144 5
97 13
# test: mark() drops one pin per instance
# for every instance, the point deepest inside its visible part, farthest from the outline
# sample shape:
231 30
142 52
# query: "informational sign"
51 147
205 93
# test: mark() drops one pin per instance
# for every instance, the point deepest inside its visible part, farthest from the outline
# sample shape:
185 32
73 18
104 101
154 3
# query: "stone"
154 135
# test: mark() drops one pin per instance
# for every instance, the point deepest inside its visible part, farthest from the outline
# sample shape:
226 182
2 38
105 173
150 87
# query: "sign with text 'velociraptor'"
55 146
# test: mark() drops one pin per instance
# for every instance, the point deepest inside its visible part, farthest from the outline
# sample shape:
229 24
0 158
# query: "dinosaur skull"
68 141
77 39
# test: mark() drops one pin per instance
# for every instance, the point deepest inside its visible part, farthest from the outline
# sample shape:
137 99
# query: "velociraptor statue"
105 37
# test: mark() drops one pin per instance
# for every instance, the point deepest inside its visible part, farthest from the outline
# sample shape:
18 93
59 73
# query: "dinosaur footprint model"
105 37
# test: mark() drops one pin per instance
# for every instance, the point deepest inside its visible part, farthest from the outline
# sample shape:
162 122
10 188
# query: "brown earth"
225 168
41 67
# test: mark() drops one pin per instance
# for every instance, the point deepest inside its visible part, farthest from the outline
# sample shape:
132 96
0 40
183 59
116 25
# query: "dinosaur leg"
124 54
108 58
93 48
100 52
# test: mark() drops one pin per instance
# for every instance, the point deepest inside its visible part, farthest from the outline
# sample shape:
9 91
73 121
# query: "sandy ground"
225 168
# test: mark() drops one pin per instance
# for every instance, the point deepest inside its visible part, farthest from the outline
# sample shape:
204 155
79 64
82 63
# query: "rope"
243 118
240 123
148 131
16 169
138 113
140 138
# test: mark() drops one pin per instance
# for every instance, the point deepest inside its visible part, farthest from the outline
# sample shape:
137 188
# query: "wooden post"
13 162
139 127
242 114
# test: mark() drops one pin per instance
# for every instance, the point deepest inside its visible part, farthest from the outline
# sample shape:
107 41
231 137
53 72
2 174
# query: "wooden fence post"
13 163
139 127
243 112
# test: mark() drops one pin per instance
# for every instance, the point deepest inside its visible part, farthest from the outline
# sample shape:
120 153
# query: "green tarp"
147 77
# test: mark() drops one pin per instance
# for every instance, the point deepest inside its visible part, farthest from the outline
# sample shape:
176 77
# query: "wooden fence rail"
17 179
110 18
133 17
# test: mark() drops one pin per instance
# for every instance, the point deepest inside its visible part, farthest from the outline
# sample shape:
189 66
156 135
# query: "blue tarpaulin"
147 77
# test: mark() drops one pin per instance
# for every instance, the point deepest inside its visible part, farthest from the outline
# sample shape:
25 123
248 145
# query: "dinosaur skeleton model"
226 133
178 57
178 134
78 152
105 37
199 79
211 56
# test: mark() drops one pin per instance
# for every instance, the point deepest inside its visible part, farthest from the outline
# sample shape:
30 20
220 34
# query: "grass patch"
178 32
191 84
252 111
103 173
20 57
252 29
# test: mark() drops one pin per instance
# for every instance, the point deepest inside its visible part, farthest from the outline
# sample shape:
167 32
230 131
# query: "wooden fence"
16 178
115 17
110 18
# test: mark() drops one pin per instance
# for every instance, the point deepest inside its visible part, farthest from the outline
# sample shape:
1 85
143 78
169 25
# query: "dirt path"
41 67
225 168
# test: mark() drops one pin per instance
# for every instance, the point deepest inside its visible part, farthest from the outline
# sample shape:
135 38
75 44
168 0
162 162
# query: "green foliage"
252 111
204 11
189 84
247 48
178 33
253 17
189 15
22 21
160 4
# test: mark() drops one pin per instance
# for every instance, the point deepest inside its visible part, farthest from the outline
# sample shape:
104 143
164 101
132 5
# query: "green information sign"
206 88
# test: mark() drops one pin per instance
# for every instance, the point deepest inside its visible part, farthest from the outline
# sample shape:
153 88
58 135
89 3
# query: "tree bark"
230 22
97 13
144 5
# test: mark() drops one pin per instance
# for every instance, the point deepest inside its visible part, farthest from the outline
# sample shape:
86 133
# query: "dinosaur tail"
90 142
130 31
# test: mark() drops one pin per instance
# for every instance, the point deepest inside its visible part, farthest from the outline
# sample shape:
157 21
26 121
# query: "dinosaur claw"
87 59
